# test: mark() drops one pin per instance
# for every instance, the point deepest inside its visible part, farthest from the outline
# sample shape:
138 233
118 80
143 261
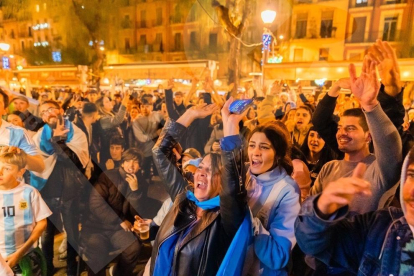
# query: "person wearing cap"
31 122
189 154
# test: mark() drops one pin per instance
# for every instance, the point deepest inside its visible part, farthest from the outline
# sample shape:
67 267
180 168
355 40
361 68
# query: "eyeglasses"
49 110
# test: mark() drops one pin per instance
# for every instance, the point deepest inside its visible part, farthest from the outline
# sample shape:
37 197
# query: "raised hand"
197 112
342 191
60 129
343 83
170 84
231 121
384 55
365 87
132 181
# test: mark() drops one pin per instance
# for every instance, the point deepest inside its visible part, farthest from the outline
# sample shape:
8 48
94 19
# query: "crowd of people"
296 184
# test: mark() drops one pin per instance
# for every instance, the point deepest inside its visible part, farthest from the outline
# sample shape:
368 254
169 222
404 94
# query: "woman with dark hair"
195 235
317 153
273 196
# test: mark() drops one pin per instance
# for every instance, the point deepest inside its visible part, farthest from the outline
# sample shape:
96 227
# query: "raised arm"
190 93
233 204
365 88
163 151
110 122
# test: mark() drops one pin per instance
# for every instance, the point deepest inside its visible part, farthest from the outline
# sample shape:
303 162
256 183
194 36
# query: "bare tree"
235 21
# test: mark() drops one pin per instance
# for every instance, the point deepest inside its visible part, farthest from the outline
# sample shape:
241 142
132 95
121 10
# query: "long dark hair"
327 154
278 135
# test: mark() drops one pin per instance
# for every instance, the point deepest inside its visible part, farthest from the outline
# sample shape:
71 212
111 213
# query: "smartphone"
239 106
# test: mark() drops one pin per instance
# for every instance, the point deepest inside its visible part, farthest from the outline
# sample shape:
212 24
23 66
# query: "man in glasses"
64 148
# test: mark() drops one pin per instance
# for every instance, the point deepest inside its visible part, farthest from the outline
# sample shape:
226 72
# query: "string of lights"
239 39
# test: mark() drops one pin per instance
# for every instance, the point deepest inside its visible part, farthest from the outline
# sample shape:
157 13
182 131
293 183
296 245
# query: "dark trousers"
98 244
147 164
67 211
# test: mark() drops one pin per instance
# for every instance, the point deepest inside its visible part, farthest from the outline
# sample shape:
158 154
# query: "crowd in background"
99 154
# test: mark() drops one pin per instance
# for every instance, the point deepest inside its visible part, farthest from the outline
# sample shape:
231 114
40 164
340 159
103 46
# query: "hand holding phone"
239 106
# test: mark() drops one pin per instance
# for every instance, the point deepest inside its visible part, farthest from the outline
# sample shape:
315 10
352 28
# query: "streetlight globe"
4 47
268 16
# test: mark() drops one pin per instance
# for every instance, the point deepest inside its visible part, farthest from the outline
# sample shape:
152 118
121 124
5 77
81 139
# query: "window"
177 42
326 24
323 53
213 41
298 55
142 40
126 23
390 28
143 19
358 29
361 3
159 17
23 46
127 44
12 35
37 8
301 25
193 40
158 38
30 31
192 15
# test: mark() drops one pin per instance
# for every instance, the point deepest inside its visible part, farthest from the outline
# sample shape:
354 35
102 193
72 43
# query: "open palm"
365 87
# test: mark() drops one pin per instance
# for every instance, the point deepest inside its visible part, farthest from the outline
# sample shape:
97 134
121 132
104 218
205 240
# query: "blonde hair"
18 159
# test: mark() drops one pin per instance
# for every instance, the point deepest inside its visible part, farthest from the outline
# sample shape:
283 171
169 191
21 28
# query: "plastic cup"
143 228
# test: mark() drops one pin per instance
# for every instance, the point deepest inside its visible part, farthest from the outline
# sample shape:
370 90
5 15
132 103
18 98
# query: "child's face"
9 174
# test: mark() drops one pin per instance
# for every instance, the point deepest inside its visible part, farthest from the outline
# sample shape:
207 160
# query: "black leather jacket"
204 247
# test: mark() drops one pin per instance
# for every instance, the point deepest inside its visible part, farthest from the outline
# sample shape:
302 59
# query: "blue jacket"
272 244
368 244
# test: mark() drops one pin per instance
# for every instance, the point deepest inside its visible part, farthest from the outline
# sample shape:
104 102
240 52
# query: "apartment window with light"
37 8
390 29
126 23
192 15
323 54
301 25
326 24
361 3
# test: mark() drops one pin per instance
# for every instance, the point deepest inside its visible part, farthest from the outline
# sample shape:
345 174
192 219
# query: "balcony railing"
143 24
129 51
392 2
373 36
147 48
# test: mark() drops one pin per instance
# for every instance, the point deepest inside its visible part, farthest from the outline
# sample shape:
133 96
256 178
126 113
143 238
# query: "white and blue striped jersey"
11 135
21 208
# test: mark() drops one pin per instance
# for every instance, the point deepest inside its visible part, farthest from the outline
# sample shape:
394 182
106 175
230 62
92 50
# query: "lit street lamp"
4 46
268 16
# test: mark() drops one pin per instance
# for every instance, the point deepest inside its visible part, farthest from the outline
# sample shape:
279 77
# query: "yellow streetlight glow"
268 16
281 37
102 48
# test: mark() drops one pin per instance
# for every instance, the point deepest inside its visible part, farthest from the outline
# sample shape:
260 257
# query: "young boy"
23 212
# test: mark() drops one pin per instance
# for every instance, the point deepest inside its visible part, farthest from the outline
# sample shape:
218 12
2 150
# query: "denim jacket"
368 244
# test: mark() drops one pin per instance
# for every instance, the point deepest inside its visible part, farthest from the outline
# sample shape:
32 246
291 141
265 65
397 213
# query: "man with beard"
355 131
64 148
146 132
